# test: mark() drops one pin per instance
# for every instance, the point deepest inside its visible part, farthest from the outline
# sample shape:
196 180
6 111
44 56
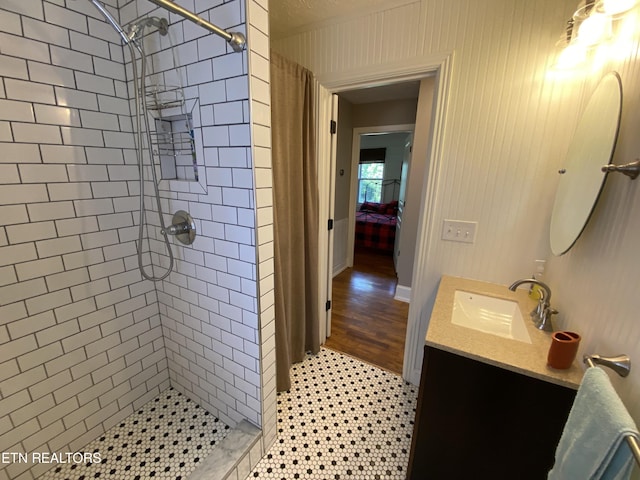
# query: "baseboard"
341 232
403 293
338 269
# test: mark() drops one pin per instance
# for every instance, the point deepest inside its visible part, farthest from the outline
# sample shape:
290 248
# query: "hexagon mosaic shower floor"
342 419
166 438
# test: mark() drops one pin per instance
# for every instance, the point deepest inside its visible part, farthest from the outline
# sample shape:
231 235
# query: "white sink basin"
490 315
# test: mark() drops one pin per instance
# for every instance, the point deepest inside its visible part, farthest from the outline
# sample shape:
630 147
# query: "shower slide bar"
236 39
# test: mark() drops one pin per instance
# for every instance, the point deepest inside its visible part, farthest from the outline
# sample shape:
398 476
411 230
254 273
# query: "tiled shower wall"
209 305
82 344
81 334
260 93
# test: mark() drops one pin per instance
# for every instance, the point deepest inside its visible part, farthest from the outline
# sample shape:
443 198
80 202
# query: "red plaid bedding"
375 231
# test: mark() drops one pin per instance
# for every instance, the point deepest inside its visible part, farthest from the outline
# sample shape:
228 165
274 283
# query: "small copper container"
563 349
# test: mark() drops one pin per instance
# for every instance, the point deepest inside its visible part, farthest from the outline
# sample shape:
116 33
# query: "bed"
376 226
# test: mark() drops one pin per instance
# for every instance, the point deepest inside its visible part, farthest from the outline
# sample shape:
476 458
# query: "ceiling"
287 15
293 15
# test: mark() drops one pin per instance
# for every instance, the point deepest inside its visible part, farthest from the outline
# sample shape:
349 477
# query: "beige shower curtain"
295 197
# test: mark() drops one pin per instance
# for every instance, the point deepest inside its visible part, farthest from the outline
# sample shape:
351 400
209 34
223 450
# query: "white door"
404 172
326 137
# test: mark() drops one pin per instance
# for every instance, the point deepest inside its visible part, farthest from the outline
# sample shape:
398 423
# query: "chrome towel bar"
621 364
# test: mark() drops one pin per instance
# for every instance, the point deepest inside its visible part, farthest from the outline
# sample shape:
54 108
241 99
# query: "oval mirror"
582 176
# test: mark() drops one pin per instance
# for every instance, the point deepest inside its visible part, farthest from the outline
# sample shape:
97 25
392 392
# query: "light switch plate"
459 231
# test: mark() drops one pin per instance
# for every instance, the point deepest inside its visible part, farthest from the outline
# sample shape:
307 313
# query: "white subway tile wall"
84 340
263 255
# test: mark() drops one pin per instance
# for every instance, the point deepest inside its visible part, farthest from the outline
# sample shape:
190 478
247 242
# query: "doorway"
368 322
375 223
425 277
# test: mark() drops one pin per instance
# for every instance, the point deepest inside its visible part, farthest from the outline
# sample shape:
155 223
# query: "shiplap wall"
507 125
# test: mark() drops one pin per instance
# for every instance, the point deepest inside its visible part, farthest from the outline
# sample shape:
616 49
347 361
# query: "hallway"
366 322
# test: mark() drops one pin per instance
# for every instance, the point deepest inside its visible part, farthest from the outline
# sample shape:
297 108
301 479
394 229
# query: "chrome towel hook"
631 170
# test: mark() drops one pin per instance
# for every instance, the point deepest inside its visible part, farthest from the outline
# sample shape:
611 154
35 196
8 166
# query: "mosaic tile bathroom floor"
342 419
166 439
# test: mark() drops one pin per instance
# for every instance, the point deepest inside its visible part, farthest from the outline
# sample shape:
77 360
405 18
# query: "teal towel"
593 445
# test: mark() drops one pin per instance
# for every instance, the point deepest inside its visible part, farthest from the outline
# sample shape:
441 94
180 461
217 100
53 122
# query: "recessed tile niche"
173 139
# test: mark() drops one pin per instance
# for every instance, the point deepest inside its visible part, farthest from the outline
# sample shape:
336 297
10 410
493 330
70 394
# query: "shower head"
136 29
109 18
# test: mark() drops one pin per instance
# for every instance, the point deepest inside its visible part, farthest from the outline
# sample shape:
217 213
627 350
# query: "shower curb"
229 454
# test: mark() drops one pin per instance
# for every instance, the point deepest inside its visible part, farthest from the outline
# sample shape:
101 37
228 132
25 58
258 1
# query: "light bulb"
572 56
595 28
615 7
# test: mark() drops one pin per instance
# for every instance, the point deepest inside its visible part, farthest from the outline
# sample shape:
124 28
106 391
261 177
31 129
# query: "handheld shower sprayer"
141 117
137 28
238 43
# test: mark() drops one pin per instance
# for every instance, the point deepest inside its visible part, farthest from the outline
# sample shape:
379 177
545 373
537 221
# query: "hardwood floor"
366 322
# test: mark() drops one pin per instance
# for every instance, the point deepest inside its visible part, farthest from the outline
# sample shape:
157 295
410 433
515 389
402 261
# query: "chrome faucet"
541 315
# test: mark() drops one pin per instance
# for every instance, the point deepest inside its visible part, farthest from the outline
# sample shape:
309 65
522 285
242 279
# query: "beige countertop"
519 357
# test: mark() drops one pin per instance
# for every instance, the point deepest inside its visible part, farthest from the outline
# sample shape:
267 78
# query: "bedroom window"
370 177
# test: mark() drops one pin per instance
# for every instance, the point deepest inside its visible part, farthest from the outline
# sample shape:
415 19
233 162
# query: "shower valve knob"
183 227
176 229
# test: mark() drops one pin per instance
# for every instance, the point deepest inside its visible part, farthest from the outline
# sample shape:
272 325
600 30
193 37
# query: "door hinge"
330 224
327 306
333 127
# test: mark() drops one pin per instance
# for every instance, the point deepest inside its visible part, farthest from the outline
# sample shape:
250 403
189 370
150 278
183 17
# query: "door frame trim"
425 277
327 105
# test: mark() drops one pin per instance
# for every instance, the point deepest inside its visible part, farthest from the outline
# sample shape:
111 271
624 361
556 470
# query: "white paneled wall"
492 150
82 335
507 125
596 282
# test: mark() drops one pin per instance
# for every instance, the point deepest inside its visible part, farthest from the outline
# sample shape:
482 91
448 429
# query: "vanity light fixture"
593 27
589 27
615 7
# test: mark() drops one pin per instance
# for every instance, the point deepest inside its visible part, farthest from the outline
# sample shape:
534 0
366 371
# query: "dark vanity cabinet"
478 421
